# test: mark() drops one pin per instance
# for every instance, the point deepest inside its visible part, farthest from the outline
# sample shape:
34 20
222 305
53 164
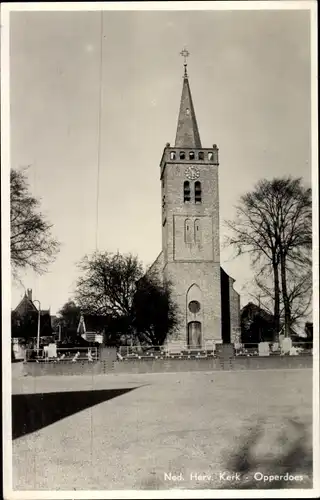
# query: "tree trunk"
275 267
286 302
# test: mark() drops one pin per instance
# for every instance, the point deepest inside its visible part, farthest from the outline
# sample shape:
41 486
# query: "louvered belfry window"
197 192
186 191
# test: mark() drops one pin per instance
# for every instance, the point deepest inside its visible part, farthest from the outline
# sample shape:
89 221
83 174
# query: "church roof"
187 135
157 265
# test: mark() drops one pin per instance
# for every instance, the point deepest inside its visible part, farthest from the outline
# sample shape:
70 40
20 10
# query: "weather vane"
184 53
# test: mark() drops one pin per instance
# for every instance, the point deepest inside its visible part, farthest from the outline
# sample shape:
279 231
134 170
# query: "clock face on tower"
192 173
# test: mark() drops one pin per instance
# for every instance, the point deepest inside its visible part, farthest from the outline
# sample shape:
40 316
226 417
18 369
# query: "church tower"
190 227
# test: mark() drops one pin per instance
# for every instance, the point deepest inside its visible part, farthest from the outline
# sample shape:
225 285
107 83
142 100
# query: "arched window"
197 192
210 156
187 231
191 155
197 231
172 155
182 155
201 155
186 191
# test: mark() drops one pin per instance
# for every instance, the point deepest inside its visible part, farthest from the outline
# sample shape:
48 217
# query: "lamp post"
38 329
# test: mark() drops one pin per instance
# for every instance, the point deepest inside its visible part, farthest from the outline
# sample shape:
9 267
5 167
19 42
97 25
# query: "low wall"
167 365
234 364
17 368
271 362
78 368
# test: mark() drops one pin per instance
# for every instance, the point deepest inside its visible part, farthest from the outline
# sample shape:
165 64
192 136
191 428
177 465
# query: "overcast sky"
250 81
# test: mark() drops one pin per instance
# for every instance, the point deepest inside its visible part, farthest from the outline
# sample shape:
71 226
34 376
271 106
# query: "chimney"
29 294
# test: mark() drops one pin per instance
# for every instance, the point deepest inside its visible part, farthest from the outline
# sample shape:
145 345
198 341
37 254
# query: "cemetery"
134 359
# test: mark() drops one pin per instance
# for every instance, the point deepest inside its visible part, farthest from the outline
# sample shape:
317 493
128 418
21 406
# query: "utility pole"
38 329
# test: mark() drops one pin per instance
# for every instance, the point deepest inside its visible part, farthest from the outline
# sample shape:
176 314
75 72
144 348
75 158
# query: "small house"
92 328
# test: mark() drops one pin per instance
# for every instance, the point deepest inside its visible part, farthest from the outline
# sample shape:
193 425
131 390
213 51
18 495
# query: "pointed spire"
187 130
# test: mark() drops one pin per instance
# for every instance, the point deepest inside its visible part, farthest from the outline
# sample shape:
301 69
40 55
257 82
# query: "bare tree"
299 295
134 304
273 224
294 239
32 244
107 283
299 291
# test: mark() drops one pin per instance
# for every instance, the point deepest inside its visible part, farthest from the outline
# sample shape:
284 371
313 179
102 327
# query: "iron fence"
164 352
62 354
273 349
210 350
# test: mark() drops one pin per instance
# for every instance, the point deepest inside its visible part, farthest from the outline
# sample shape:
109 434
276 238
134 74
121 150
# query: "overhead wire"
99 130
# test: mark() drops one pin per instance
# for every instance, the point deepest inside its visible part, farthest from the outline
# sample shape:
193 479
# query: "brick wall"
173 190
207 277
78 368
234 309
168 365
236 364
196 262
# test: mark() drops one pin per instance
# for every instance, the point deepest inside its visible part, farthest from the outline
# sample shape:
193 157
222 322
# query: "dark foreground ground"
163 431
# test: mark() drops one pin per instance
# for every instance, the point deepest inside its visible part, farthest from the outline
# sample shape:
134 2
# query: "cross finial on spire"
184 53
187 135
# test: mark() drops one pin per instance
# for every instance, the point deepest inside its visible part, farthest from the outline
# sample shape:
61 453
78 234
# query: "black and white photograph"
160 249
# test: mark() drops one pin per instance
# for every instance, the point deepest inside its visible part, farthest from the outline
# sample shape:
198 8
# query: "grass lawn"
129 431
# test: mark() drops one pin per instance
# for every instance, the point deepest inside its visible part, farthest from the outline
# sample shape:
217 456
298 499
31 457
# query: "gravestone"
264 349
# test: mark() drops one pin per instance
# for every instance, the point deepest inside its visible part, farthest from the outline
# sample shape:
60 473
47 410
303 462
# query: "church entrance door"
194 334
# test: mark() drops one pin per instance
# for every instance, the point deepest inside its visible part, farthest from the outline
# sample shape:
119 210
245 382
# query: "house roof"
25 305
254 309
92 323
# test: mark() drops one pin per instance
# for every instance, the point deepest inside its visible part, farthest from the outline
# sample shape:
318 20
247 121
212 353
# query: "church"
208 305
